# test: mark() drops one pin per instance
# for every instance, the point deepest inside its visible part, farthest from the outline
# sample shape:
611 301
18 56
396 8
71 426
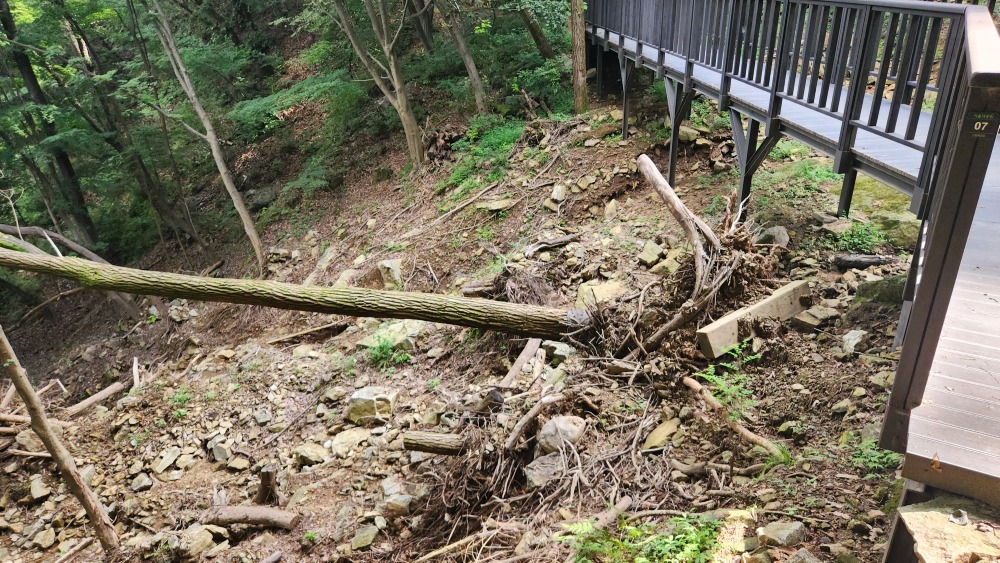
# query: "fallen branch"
252 515
457 208
77 549
531 415
94 400
44 305
19 419
861 261
25 453
526 354
546 244
338 324
744 433
434 443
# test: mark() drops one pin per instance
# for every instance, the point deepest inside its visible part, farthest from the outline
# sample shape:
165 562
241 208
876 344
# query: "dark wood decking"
954 440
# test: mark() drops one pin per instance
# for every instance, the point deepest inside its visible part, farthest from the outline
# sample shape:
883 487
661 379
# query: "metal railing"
825 55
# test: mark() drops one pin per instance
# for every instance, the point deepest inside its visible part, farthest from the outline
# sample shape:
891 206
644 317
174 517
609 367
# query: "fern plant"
730 383
681 540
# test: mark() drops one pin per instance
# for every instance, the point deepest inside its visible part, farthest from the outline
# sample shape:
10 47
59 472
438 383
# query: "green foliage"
484 154
310 537
338 95
682 540
868 456
181 397
860 237
729 381
548 83
705 114
180 414
384 356
785 149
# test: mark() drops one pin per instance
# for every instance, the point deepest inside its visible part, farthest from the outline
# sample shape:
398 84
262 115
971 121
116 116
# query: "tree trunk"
528 320
456 27
103 526
422 15
434 443
180 71
253 516
578 34
538 35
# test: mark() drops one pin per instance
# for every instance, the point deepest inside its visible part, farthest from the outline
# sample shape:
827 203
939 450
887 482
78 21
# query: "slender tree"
387 19
166 36
579 47
456 26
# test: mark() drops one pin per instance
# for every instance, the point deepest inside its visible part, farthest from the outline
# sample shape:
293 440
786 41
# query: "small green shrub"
868 456
384 356
860 237
181 398
484 154
682 540
729 381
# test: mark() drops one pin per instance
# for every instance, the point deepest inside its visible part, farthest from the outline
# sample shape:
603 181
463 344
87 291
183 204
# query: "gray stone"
39 489
29 441
166 458
262 415
855 341
221 452
777 236
558 431
814 317
558 193
195 541
302 351
661 434
392 273
343 443
650 254
45 538
364 537
687 134
496 205
238 463
371 404
783 534
310 453
87 475
883 379
611 210
392 485
595 292
558 352
591 142
803 556
398 505
616 115
142 482
543 470
842 407
670 264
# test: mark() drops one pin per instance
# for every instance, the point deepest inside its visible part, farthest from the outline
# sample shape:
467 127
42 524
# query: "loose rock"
560 430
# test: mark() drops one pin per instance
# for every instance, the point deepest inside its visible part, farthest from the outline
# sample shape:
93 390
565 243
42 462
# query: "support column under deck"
679 107
750 151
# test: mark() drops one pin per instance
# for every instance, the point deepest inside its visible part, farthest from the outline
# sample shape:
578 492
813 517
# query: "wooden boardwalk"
954 440
808 69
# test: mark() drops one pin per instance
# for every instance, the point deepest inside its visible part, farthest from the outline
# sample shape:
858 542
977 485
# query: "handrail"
982 47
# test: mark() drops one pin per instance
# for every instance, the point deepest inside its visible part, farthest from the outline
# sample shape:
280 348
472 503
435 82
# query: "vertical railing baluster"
784 46
832 54
774 50
923 79
913 36
869 23
808 43
728 55
892 32
849 37
793 63
820 55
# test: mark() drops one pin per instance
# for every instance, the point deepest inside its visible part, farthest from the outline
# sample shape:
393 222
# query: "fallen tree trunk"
253 516
528 320
42 426
94 400
434 443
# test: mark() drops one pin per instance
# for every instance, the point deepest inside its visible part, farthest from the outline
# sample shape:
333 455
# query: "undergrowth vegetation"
483 156
681 540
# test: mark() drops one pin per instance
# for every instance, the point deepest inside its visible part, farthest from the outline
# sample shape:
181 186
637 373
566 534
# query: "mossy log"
527 320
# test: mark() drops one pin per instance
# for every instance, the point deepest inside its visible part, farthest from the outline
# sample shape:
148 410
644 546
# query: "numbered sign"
982 124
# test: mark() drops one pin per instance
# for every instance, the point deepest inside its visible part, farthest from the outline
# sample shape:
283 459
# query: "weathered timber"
862 261
529 320
94 400
724 333
434 443
252 515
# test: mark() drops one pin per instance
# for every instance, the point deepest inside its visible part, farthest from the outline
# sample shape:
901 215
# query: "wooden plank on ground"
724 333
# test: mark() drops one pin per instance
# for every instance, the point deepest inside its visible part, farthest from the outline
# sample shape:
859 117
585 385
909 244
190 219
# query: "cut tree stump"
724 333
434 443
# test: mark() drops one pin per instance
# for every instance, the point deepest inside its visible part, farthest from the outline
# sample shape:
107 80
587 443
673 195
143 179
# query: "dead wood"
457 208
530 320
77 549
7 398
273 558
44 305
551 243
253 516
531 415
40 423
25 453
19 419
268 492
744 433
861 261
434 443
6 431
526 354
341 325
94 400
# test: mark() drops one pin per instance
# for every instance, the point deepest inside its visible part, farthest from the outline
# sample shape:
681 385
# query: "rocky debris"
557 352
596 292
400 335
310 453
803 556
398 505
777 236
662 434
592 142
782 534
371 404
195 541
392 274
559 431
142 482
38 489
238 463
844 406
220 451
45 538
855 341
558 193
888 291
496 205
29 441
611 210
938 538
650 254
166 458
364 537
543 470
670 264
687 134
813 318
346 278
883 379
345 441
